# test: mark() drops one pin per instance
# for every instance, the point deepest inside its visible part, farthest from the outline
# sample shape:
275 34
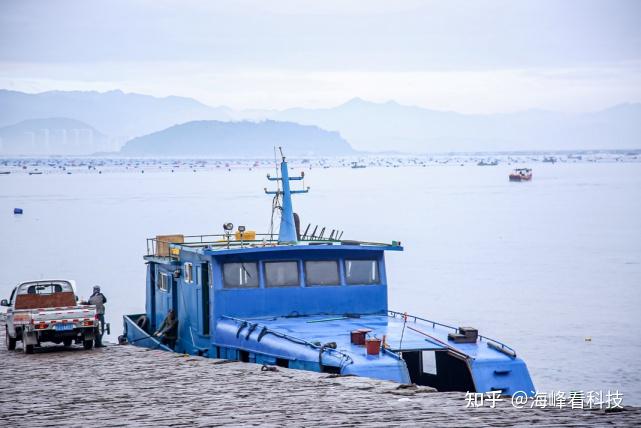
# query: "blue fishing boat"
306 301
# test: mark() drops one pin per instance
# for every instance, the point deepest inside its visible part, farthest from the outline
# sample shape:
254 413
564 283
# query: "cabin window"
163 282
281 274
240 275
361 272
322 272
189 272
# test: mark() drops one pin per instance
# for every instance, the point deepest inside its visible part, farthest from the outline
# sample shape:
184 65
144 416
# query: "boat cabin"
203 282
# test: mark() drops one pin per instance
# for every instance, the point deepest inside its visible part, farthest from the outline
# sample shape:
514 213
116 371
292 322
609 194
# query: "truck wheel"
9 341
66 342
28 349
87 344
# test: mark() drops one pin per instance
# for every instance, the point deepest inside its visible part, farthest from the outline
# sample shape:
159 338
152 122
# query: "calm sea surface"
541 266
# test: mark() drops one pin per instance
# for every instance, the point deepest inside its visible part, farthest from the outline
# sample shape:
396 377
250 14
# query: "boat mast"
287 231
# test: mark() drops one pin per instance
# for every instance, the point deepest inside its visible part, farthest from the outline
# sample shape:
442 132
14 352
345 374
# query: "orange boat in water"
521 174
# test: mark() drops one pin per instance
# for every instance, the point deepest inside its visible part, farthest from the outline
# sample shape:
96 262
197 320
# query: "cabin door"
205 284
174 297
151 298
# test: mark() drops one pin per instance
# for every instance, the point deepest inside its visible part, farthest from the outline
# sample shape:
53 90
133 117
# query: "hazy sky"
468 56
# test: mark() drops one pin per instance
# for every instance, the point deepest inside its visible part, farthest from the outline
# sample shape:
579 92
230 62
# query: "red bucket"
373 346
358 336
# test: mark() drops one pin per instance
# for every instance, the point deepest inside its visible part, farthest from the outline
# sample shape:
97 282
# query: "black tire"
27 349
9 341
142 322
67 341
87 344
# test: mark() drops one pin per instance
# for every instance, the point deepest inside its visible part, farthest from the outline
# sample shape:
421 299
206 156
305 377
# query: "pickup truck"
47 311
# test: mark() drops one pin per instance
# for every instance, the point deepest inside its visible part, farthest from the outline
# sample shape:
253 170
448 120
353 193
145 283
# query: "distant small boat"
484 163
356 165
521 174
550 159
5 172
35 173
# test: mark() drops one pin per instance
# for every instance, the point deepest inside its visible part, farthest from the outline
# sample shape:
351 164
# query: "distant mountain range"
238 139
116 114
54 136
384 126
367 126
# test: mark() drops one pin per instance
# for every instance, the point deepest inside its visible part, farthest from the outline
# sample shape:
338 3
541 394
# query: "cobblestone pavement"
130 386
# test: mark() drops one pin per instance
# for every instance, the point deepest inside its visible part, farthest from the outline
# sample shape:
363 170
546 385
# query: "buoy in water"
588 339
17 210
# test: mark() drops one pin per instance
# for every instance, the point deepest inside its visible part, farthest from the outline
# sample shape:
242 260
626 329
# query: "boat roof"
160 250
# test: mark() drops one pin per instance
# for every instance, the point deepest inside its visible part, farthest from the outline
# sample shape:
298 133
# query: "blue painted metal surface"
305 299
305 325
139 337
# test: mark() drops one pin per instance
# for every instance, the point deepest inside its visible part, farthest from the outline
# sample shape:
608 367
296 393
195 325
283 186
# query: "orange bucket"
373 346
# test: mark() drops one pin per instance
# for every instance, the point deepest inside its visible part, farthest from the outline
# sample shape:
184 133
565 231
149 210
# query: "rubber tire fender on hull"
142 322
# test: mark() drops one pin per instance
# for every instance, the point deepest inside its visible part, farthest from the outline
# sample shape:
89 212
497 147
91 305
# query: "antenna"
287 231
275 201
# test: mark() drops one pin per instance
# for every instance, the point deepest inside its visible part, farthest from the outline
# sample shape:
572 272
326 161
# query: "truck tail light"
87 322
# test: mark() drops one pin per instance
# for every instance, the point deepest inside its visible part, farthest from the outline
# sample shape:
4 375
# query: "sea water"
551 267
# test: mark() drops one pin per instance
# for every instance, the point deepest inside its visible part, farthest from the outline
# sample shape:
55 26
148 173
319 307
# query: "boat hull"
296 342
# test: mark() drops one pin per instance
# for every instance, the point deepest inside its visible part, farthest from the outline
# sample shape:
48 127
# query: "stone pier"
123 385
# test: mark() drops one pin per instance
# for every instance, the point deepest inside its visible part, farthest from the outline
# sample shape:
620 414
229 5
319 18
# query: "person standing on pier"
168 330
98 300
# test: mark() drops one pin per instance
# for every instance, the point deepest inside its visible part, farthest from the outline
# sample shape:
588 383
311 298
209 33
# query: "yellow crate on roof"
163 241
248 235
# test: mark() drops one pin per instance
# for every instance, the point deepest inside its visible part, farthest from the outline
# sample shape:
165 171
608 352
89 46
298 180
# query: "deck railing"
493 343
221 241
224 241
